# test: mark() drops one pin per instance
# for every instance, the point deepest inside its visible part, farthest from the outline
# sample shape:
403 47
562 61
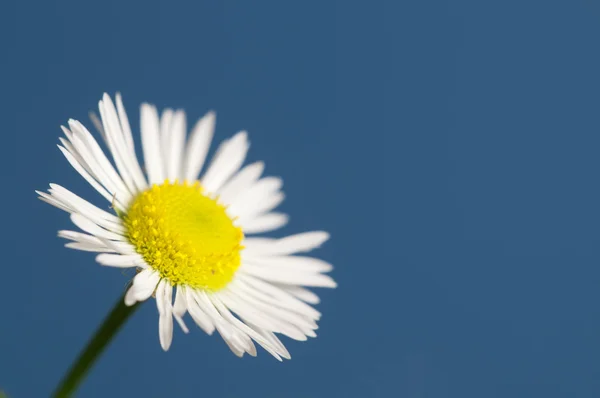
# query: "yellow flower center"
184 235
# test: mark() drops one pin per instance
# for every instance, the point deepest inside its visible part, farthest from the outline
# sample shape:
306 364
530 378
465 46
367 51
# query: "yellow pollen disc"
184 235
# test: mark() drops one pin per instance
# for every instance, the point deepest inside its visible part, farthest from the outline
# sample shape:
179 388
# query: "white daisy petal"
179 308
271 347
119 260
198 314
266 205
240 182
301 243
164 293
261 197
44 197
142 287
92 228
235 338
207 306
290 263
292 244
234 347
274 311
271 339
116 143
264 223
121 148
175 147
81 206
248 211
251 350
80 169
302 293
164 133
151 144
164 130
266 185
180 305
243 342
120 247
227 160
198 145
258 317
96 178
80 237
95 159
88 243
88 247
274 295
247 312
84 206
289 277
125 125
238 337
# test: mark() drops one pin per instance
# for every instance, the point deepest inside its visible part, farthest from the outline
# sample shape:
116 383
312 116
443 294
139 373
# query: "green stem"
112 324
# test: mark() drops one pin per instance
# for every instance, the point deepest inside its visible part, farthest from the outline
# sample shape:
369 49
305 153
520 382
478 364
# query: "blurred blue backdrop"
451 148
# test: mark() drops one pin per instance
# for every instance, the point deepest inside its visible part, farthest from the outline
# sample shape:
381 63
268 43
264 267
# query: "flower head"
190 234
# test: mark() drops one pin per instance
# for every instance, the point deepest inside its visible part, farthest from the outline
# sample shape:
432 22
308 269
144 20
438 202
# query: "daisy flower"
188 237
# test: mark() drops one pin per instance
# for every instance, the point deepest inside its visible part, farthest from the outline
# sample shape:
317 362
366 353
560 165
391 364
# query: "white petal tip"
332 284
242 135
182 324
325 236
129 302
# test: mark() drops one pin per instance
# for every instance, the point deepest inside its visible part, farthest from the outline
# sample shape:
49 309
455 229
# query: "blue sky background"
450 147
